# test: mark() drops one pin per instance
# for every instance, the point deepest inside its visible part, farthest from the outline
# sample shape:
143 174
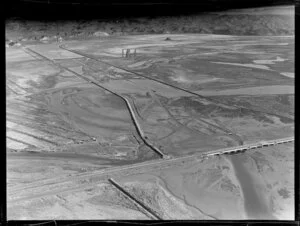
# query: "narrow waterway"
255 203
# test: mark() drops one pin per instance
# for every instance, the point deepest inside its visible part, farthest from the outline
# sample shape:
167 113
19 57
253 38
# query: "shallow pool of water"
254 201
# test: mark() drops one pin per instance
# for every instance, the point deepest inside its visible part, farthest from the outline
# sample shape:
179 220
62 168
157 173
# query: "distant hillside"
277 20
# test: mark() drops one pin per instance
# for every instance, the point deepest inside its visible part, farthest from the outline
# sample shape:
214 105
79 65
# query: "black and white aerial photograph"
150 110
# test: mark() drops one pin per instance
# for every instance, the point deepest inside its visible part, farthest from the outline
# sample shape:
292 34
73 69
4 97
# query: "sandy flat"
261 90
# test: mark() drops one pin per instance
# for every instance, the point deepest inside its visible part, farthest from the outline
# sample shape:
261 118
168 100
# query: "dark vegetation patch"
148 196
284 193
112 197
222 23
232 76
44 83
274 104
215 110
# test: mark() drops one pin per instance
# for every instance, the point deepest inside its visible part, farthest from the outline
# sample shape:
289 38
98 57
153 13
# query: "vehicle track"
34 136
22 142
18 86
233 135
89 179
43 130
132 114
179 124
8 87
165 83
18 119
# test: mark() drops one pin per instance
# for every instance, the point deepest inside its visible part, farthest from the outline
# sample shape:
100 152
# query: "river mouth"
255 203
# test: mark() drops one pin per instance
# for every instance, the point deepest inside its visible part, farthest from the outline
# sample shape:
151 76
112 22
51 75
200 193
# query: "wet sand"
254 201
48 156
262 90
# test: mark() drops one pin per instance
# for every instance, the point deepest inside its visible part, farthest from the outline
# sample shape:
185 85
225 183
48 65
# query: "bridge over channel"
246 147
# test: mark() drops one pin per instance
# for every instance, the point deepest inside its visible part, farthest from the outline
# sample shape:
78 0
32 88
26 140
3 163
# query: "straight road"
85 180
131 111
165 83
80 181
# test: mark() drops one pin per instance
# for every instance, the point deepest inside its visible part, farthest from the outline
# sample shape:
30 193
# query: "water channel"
255 204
